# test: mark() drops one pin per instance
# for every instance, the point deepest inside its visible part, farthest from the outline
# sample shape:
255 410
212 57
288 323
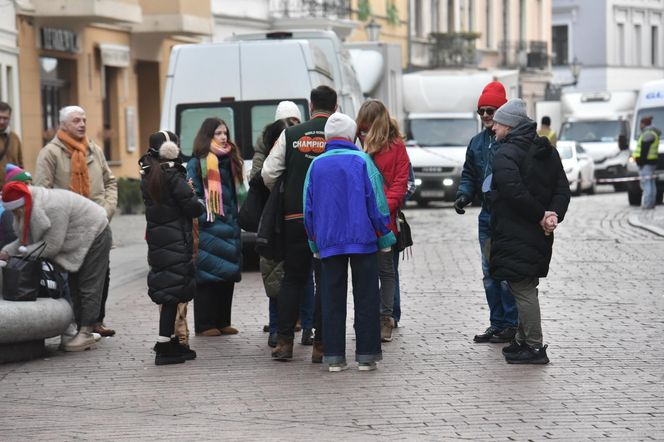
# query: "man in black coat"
529 197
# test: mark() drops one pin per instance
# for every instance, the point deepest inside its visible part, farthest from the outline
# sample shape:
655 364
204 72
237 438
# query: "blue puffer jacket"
219 255
478 165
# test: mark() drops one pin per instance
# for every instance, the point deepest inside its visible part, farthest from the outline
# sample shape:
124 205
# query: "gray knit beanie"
511 113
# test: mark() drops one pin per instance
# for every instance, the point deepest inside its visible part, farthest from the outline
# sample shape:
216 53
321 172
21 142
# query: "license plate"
432 193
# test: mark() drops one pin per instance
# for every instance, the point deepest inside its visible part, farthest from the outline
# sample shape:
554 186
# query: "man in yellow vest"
546 131
647 149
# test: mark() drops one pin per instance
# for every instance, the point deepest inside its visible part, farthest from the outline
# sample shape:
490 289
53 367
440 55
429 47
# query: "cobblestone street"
602 307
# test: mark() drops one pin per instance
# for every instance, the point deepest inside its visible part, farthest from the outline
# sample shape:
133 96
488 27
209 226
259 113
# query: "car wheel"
591 189
577 188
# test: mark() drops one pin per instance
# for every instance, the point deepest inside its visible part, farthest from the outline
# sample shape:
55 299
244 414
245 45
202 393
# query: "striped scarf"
214 200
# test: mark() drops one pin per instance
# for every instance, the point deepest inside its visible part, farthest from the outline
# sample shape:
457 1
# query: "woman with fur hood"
170 206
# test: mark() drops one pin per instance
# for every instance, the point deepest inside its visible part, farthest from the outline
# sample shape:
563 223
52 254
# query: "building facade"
618 43
9 74
108 56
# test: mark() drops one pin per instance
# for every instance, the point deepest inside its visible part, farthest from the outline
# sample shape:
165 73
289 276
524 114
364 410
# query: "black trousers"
212 305
167 316
104 297
298 262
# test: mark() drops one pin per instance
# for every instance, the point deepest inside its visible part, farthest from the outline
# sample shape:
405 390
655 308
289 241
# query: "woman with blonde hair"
217 174
380 138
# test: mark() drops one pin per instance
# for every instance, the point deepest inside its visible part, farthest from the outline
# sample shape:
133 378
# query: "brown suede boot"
317 353
284 349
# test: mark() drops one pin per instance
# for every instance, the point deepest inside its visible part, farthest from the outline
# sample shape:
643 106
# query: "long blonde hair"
382 129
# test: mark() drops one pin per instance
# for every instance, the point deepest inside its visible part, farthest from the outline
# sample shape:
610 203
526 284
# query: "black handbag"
51 282
21 276
404 238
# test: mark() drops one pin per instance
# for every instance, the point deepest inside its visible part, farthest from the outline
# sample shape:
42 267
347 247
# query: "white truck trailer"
441 118
599 122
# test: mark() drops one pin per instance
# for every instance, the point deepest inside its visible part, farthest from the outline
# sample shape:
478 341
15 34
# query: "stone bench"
25 325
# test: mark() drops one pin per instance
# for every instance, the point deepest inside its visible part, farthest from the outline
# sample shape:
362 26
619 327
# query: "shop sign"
62 40
114 55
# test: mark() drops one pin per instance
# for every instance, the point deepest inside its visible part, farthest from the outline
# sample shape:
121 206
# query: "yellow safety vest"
654 147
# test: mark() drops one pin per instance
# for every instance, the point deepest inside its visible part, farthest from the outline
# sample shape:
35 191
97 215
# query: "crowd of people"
330 189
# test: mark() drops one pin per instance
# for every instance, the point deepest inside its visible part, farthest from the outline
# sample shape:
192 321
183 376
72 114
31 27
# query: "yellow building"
109 57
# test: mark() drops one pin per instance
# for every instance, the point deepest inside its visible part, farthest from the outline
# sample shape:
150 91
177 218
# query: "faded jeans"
648 185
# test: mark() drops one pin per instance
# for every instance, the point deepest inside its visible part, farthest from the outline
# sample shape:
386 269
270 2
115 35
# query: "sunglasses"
483 110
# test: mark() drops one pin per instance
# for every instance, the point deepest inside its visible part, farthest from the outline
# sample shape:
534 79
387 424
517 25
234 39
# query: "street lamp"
575 67
373 30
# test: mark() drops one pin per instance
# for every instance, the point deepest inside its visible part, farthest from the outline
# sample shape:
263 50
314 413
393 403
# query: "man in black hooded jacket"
529 197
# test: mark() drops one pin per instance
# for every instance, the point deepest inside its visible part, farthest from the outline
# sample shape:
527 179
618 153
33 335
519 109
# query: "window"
434 17
654 46
638 58
435 132
620 44
418 18
560 41
191 118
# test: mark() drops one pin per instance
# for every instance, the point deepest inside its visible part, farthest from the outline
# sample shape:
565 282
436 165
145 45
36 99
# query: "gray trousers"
87 284
387 276
527 303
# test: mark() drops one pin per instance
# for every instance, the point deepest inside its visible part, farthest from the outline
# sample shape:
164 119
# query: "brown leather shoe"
317 353
103 330
210 332
228 330
284 349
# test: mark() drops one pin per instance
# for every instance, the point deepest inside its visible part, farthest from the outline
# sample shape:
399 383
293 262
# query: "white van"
650 102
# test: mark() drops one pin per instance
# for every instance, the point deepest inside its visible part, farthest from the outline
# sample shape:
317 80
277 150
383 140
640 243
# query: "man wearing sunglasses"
476 169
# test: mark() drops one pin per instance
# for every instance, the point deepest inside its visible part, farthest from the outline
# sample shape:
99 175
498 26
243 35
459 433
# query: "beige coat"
54 171
12 153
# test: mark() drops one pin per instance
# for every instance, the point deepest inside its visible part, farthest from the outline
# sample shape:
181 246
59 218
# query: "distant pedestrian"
380 138
646 155
10 143
217 174
290 157
75 162
476 168
546 131
78 240
529 198
347 219
170 205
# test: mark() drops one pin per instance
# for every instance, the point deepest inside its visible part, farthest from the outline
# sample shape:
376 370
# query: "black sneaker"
272 340
505 335
514 347
528 355
183 349
484 337
307 337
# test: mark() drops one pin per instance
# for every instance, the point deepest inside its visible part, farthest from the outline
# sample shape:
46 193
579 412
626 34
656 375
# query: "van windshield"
565 152
588 131
657 114
438 132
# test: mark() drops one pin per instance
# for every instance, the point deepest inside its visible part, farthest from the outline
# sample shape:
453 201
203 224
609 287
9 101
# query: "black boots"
526 355
172 352
284 349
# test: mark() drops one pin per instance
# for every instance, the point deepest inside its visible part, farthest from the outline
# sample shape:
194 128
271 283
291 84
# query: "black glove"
460 203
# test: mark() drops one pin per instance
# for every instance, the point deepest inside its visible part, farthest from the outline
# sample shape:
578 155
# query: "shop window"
57 76
110 113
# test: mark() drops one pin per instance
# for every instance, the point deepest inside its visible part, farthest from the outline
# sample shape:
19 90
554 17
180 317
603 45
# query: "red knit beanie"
492 95
16 194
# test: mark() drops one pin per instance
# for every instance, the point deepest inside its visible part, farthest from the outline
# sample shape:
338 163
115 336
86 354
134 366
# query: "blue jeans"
274 315
366 299
396 309
502 307
648 185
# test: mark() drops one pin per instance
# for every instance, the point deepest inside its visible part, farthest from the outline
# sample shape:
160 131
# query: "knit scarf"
79 180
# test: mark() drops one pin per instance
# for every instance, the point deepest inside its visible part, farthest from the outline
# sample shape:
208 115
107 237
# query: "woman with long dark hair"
170 206
217 174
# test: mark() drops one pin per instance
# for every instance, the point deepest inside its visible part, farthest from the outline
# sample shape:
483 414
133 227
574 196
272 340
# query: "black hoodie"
528 179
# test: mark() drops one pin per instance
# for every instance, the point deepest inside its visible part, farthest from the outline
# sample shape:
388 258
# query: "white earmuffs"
168 149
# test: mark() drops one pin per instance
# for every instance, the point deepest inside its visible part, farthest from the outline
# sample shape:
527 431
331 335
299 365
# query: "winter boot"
167 354
84 340
183 349
385 329
284 349
317 353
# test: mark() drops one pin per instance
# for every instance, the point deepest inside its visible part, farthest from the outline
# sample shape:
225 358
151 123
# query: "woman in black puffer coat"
170 206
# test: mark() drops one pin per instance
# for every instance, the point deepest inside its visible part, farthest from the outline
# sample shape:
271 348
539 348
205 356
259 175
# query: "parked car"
579 167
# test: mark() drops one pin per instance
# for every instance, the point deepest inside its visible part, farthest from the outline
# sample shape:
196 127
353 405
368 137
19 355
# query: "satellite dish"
369 67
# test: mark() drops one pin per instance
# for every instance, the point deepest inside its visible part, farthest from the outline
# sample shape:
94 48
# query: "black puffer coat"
172 277
528 179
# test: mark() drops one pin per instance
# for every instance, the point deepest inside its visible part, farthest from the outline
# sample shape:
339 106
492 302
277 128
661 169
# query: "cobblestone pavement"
602 310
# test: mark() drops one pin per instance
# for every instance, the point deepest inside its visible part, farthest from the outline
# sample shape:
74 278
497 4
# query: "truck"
600 123
650 102
441 118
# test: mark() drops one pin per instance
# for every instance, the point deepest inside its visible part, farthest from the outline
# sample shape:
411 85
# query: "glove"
460 203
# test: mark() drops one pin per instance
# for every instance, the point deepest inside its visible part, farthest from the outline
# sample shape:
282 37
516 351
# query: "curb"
634 221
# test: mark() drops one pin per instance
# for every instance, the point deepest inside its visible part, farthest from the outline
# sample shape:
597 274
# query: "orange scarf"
79 181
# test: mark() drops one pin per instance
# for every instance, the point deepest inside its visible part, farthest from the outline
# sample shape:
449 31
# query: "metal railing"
310 8
453 49
523 54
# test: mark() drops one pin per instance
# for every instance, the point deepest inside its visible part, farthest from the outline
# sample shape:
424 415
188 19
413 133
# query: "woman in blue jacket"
216 172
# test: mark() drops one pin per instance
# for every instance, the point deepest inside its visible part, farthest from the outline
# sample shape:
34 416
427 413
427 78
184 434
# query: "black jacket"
528 179
171 278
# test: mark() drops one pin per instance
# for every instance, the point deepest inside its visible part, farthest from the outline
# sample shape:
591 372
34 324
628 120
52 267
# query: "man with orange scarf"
74 162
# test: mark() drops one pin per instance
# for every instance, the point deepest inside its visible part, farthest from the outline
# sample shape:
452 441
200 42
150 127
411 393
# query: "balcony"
179 17
523 54
339 9
538 56
455 49
101 11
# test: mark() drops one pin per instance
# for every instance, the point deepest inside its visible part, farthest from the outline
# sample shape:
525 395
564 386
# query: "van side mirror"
622 142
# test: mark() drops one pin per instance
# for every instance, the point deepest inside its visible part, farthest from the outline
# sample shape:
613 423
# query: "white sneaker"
366 366
337 367
97 336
